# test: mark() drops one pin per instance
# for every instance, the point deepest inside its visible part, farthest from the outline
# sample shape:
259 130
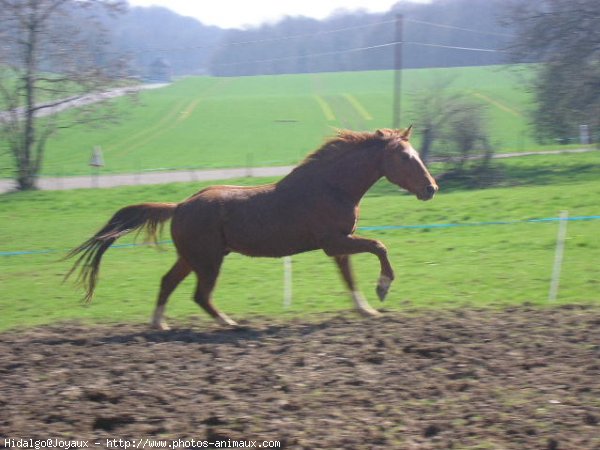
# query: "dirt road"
132 179
519 378
161 177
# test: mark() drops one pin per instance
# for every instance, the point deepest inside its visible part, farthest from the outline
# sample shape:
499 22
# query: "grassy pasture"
205 122
437 267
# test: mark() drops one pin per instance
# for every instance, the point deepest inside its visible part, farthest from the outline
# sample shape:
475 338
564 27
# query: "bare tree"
466 133
433 106
52 52
451 119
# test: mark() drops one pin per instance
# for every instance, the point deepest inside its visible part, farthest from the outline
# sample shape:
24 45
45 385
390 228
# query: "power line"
263 40
309 55
453 47
325 32
359 49
316 33
452 27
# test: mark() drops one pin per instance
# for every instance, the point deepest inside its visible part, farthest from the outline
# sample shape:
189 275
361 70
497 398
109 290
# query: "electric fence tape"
362 228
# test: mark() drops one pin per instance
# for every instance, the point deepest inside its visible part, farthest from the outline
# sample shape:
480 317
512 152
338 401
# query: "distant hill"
150 34
301 44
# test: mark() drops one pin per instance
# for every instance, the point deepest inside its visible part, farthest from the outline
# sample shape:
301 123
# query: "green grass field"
436 267
206 122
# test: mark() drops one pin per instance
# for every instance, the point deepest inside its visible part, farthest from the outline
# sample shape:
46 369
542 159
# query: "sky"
245 13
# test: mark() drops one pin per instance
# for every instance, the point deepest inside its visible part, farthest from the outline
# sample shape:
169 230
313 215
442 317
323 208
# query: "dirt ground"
519 378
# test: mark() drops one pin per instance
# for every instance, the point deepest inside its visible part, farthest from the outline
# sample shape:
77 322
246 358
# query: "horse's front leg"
360 303
348 245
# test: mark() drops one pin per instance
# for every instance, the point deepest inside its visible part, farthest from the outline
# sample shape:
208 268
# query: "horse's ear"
385 133
406 133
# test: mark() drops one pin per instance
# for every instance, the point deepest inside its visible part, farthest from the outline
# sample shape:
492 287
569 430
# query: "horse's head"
403 166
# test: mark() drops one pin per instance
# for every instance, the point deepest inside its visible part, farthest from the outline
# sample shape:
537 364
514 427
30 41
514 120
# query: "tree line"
358 40
301 44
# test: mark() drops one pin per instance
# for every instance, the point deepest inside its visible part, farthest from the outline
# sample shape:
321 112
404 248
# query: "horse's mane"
342 143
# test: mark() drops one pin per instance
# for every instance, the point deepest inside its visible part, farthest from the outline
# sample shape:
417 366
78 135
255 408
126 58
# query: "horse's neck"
349 176
354 174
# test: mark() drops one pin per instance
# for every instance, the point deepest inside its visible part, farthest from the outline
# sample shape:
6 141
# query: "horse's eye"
404 156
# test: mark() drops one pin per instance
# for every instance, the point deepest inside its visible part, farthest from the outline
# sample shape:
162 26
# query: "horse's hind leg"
207 273
169 282
360 303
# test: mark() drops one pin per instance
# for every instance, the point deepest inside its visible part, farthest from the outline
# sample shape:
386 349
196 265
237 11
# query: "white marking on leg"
224 319
158 320
362 305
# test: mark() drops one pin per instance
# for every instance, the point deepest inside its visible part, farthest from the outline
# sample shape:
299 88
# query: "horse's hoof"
226 321
161 326
369 312
382 292
383 286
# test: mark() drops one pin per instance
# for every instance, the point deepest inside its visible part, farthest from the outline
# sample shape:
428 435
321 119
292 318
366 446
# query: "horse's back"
209 207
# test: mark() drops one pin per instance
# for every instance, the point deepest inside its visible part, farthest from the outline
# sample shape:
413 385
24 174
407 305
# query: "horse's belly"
274 245
272 252
275 237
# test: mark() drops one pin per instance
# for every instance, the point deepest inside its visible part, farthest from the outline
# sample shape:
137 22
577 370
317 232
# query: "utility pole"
397 70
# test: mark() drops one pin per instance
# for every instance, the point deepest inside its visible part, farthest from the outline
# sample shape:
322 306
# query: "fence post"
558 255
96 161
584 135
287 281
249 164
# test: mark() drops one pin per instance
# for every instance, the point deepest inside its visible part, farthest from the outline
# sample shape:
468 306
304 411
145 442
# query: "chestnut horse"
314 207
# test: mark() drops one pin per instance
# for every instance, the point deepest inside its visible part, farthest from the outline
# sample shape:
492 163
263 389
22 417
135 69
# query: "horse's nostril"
431 189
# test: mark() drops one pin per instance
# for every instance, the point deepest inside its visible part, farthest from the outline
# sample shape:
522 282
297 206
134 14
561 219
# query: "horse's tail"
145 216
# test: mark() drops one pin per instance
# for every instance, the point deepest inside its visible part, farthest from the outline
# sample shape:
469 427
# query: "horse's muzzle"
428 193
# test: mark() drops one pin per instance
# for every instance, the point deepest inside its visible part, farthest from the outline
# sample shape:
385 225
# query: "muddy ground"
519 378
